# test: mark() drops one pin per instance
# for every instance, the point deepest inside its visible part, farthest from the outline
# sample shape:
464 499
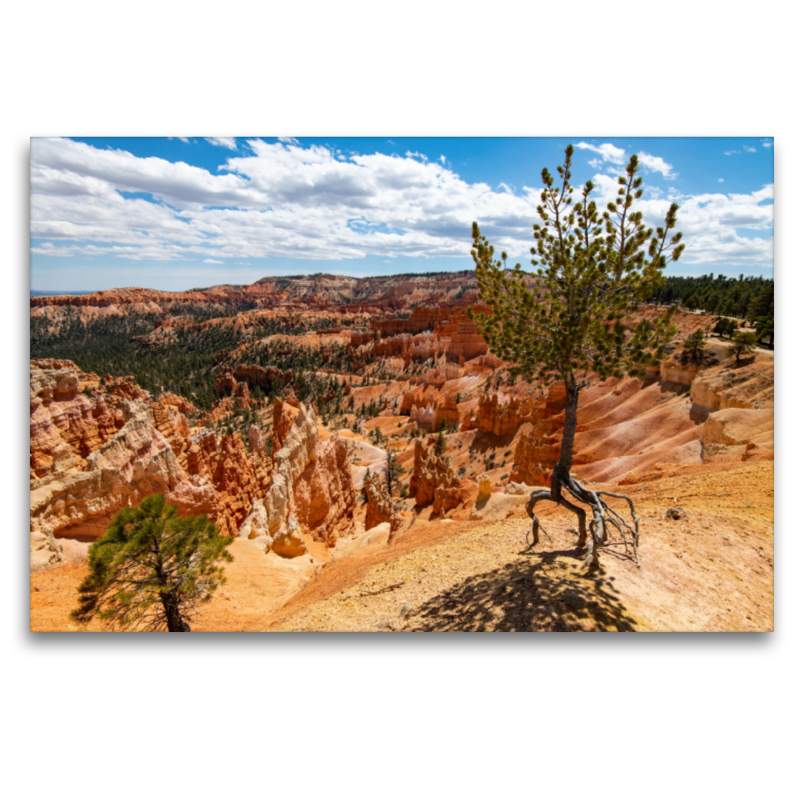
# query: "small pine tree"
151 568
440 445
693 350
394 469
367 477
744 343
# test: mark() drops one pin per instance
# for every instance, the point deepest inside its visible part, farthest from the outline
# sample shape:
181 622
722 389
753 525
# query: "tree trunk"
564 465
175 623
169 600
563 484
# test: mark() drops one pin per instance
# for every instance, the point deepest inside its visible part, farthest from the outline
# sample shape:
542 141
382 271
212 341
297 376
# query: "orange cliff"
93 453
96 448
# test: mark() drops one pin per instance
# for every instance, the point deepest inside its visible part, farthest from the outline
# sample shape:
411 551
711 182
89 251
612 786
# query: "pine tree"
440 445
693 350
394 469
568 318
367 477
743 344
151 568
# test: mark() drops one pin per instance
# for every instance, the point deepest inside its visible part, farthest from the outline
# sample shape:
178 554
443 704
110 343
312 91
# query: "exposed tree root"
603 516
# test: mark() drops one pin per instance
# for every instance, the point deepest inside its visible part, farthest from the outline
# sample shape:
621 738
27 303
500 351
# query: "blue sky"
179 213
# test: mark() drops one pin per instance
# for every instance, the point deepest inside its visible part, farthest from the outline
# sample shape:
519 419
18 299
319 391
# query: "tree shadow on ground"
547 593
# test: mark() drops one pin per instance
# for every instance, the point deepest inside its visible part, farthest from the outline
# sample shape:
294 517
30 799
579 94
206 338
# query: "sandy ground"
710 572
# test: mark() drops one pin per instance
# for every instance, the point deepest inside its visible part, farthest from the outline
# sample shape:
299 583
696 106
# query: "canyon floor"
710 572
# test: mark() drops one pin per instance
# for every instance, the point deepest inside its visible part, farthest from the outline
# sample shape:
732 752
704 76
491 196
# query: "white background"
393 716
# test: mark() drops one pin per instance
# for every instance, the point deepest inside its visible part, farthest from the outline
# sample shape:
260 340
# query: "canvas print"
401 385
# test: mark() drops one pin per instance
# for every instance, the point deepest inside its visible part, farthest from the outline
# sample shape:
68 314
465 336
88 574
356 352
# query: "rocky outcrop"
289 541
325 498
172 425
379 505
484 488
748 386
673 371
225 382
311 487
740 426
500 415
461 336
434 481
79 502
535 457
282 418
94 452
422 318
62 414
447 413
180 403
360 337
238 479
265 377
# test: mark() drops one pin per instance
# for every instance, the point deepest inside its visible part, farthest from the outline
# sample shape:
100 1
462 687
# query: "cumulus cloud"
608 151
721 180
282 199
766 143
288 139
223 141
212 261
656 164
724 229
749 149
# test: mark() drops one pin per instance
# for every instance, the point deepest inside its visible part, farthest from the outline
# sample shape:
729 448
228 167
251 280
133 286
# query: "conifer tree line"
748 298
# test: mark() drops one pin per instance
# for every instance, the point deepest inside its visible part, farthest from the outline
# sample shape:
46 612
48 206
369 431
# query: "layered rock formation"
434 481
229 380
64 421
311 491
748 386
380 508
94 451
324 494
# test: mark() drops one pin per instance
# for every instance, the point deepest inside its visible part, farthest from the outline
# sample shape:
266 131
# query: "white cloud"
442 159
285 200
595 163
721 180
608 151
732 152
724 229
656 164
212 261
766 143
749 149
288 139
223 141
